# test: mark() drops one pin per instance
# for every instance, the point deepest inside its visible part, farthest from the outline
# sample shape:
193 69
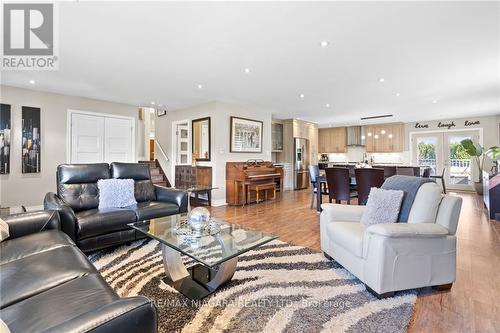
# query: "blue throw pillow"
116 193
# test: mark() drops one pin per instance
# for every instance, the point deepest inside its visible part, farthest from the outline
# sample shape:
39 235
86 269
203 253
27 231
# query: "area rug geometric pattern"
276 288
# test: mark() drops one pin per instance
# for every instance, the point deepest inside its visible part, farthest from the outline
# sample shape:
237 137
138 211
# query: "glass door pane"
426 152
459 163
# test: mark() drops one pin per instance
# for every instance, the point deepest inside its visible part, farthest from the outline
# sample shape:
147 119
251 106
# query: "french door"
443 151
96 138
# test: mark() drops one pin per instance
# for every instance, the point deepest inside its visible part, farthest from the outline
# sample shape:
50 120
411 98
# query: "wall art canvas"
31 149
5 126
246 135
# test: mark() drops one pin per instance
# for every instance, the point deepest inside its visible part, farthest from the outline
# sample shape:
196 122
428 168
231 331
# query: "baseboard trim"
219 202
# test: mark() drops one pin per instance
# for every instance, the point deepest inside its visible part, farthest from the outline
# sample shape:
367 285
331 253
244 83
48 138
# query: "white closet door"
87 138
118 140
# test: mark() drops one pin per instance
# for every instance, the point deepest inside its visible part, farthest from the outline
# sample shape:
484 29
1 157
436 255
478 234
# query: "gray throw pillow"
4 230
382 206
116 193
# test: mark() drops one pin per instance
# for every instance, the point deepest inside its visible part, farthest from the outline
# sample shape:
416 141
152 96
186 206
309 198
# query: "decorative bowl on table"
198 219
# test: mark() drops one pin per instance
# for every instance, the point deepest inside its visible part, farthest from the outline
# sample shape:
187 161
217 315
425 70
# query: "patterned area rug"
276 288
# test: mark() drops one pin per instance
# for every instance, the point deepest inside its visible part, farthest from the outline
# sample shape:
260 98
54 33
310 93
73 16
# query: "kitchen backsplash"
355 154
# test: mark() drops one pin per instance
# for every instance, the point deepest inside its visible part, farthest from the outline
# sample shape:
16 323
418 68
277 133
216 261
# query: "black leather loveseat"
91 228
48 285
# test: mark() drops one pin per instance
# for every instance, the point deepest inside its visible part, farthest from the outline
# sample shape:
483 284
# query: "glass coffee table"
216 255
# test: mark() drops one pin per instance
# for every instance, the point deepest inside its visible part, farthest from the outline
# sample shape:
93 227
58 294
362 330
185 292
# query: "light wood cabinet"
332 140
385 138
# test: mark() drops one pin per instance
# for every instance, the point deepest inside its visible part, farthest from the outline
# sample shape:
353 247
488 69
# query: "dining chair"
427 172
389 171
339 181
405 171
365 180
313 175
442 179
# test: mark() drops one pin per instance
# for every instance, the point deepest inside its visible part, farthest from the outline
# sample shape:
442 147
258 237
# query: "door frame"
174 143
444 132
69 116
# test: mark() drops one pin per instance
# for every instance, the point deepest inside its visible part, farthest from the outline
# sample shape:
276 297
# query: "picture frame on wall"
31 140
5 132
245 135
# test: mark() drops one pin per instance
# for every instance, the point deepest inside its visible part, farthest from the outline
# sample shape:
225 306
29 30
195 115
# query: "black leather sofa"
91 228
48 285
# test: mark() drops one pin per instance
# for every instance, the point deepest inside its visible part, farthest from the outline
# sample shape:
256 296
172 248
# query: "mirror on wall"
201 139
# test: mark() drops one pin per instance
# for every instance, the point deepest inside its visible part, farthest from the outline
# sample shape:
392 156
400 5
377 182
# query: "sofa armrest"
342 213
125 315
172 195
408 230
66 213
23 224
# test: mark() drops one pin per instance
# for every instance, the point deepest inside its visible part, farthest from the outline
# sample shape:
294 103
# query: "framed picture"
246 135
5 127
31 141
161 112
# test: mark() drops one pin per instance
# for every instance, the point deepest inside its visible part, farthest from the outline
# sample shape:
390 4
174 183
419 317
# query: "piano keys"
240 174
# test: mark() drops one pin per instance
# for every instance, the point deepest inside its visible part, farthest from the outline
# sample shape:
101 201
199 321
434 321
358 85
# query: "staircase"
157 175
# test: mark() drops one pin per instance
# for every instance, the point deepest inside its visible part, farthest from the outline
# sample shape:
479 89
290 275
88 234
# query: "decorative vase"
198 219
478 186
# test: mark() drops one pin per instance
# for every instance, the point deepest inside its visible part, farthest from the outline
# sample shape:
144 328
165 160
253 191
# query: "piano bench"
261 187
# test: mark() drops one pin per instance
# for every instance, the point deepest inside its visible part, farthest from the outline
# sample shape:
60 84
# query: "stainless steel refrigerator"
301 164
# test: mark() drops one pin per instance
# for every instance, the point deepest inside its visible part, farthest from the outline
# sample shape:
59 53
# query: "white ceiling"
136 53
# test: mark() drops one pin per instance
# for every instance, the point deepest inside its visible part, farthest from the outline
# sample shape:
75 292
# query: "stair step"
160 183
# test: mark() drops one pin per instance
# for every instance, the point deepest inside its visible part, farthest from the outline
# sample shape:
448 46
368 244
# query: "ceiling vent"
377 117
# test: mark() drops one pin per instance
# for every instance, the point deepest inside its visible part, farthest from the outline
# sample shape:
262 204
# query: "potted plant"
479 153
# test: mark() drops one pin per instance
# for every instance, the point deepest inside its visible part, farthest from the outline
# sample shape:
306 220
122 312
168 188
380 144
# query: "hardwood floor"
472 305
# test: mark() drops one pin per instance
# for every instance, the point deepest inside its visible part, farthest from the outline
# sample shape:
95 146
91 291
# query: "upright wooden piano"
241 174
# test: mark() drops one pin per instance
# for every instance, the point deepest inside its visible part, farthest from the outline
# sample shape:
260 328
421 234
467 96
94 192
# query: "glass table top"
210 250
196 188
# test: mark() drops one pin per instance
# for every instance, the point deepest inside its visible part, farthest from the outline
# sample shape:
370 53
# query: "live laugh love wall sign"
449 124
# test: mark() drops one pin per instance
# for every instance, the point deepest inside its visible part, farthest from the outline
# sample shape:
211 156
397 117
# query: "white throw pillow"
3 327
426 204
116 193
4 230
382 206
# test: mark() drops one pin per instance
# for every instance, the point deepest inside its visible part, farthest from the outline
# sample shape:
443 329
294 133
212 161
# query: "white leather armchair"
396 256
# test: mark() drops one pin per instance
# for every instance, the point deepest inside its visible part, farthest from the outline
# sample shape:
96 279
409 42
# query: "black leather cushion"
153 209
77 184
95 222
36 273
136 171
144 189
109 239
18 248
60 304
32 222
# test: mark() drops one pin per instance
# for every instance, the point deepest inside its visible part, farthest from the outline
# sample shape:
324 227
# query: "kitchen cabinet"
277 137
332 140
385 138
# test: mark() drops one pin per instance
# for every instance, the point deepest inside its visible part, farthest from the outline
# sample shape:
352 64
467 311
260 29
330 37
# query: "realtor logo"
29 37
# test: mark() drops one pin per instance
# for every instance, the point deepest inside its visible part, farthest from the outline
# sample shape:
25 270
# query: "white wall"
17 188
220 113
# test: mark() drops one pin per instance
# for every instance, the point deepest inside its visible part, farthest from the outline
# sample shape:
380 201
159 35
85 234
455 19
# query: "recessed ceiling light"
153 103
324 43
398 94
200 86
390 136
247 70
434 101
32 81
302 95
382 132
327 105
381 80
376 136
